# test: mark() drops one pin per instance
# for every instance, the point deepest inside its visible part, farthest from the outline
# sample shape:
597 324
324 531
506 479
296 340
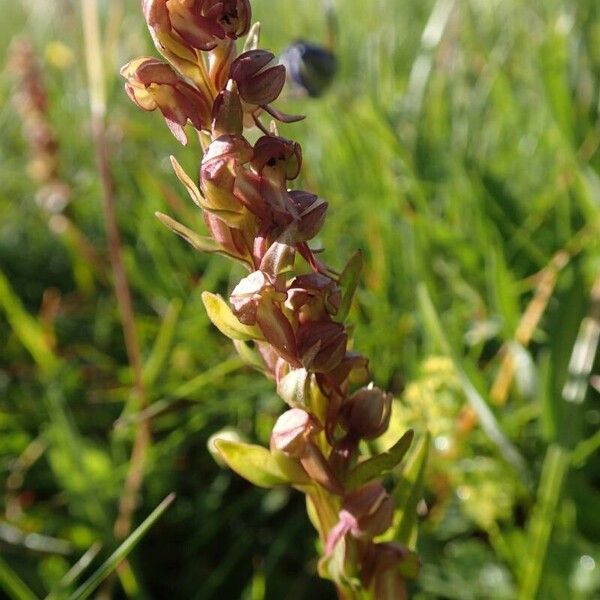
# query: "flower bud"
259 79
227 115
249 292
232 240
386 566
372 509
153 84
292 432
292 435
354 368
366 414
311 210
366 513
313 297
321 345
222 167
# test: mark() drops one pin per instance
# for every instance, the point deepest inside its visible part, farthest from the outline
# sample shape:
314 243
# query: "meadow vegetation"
459 149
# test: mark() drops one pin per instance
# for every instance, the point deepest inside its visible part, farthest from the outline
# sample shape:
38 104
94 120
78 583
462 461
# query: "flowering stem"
287 316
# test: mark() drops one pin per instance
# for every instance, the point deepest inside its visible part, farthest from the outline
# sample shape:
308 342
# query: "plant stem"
133 482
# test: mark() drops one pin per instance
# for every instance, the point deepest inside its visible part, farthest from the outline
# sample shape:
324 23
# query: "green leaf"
409 491
113 561
160 351
378 465
348 283
199 242
226 322
13 585
188 182
26 328
539 529
252 462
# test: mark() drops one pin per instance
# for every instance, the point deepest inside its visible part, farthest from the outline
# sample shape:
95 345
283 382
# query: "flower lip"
278 153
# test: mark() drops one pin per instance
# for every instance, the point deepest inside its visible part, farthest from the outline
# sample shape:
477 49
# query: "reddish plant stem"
134 479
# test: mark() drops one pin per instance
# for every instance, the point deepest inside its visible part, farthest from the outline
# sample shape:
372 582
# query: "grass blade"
554 470
13 585
121 552
486 416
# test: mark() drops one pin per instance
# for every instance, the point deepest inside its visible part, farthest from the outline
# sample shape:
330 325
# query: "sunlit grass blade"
409 491
13 585
87 588
554 470
164 339
486 417
75 571
26 328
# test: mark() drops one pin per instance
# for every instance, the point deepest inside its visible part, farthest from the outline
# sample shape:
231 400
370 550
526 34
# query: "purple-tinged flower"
181 26
153 84
293 435
321 345
256 301
258 76
386 567
366 513
311 212
353 368
260 81
293 431
366 414
313 297
221 172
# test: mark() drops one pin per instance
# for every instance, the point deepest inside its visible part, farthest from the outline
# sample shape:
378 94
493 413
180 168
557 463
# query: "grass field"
459 148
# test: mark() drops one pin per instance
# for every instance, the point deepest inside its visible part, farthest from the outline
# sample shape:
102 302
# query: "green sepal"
226 322
199 242
252 462
291 469
380 464
188 182
250 356
348 283
409 491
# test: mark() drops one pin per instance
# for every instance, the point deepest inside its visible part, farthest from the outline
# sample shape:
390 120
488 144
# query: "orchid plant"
287 316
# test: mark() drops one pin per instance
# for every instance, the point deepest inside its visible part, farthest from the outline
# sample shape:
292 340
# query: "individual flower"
366 415
293 435
321 345
256 301
366 513
153 84
313 297
386 567
260 80
224 181
184 25
311 214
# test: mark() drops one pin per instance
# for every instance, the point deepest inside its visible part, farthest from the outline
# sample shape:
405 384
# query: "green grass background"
459 149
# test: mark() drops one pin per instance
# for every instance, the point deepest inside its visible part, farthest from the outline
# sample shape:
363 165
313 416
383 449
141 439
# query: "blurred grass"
459 150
